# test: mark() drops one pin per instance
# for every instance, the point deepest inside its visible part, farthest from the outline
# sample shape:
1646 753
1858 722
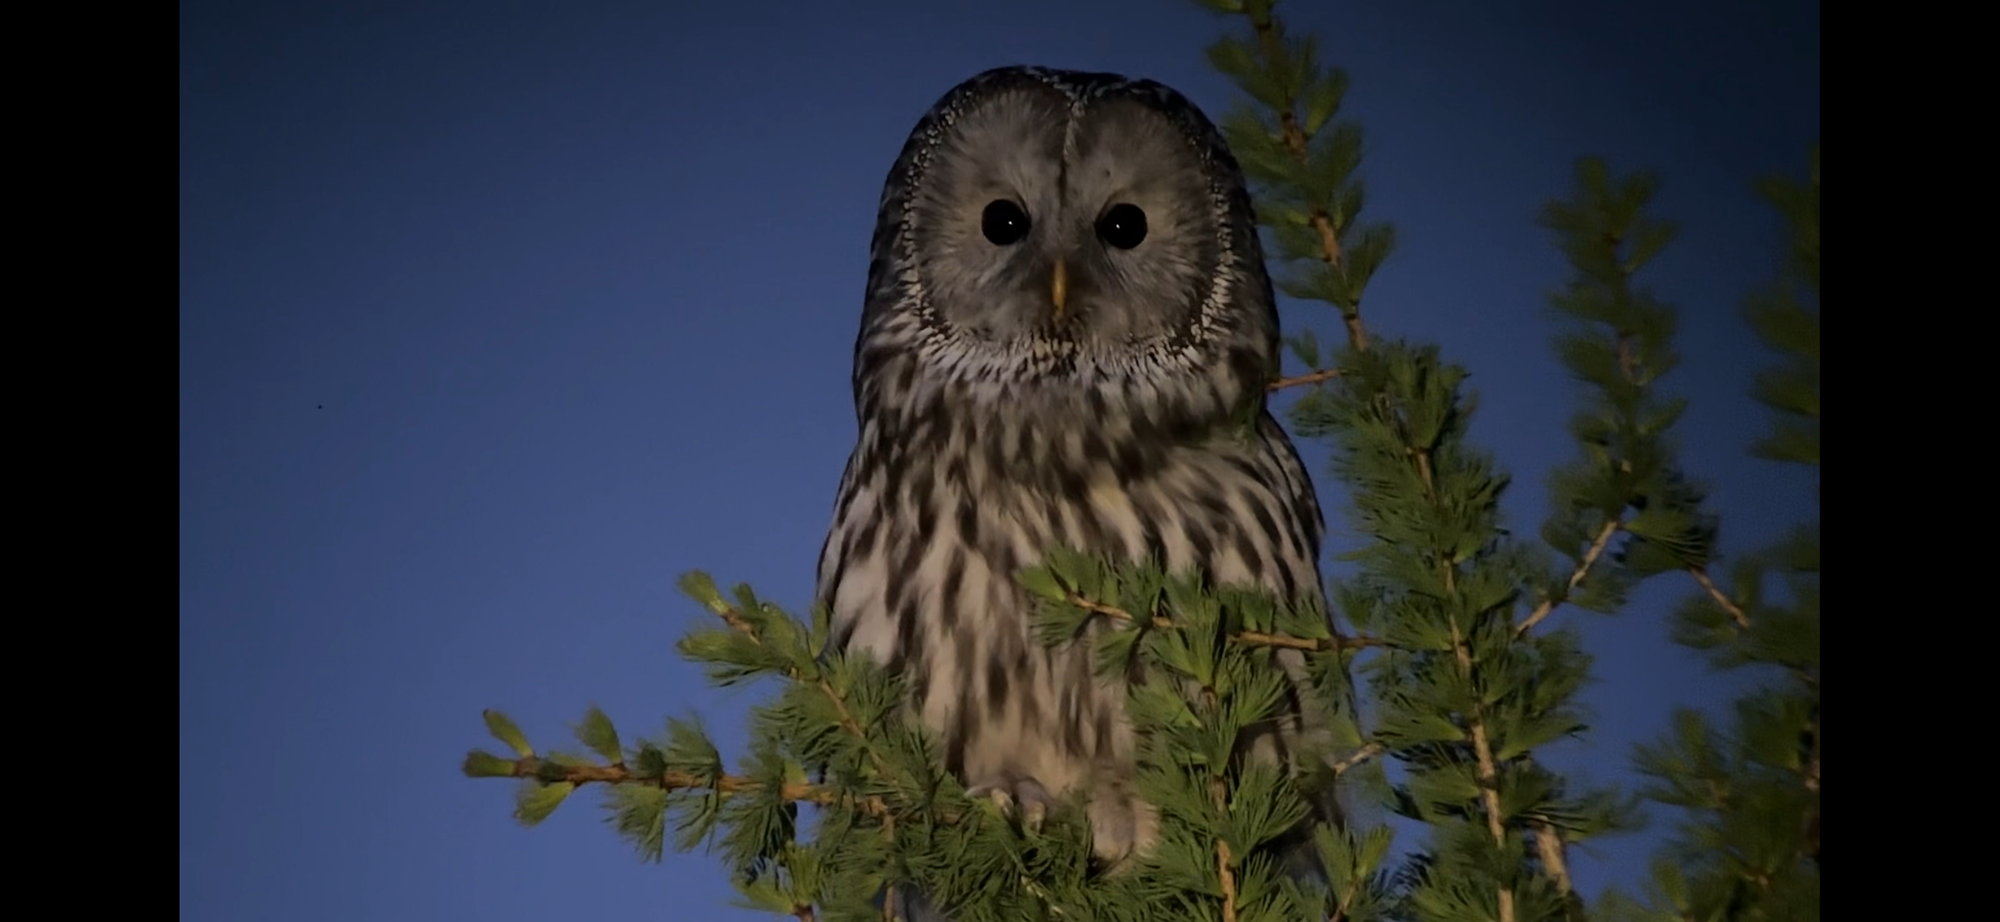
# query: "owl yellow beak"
1059 287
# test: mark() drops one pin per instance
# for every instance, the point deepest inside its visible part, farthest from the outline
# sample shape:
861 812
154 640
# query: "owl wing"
1305 721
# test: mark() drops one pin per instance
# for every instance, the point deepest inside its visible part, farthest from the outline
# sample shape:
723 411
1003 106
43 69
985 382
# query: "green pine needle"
482 764
503 729
597 734
535 801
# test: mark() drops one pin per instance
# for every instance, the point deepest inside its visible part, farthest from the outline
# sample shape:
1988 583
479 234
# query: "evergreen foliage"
1749 846
1443 677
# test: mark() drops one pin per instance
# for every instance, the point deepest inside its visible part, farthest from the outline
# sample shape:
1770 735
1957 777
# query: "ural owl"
1068 325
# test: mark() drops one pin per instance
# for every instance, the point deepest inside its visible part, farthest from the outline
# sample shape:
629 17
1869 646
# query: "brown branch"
1247 638
1228 880
1218 795
1113 611
735 619
1296 141
1357 757
1346 899
1548 841
1590 556
1420 455
1611 526
724 784
1356 333
1308 644
803 913
1489 768
1714 592
1310 377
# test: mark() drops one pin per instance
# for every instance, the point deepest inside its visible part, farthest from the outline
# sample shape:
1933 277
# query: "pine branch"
1332 644
1301 170
1618 339
1345 901
1721 598
1548 604
1311 377
1549 845
1488 767
1359 756
1228 876
1751 846
1465 698
1300 158
545 771
733 616
1271 46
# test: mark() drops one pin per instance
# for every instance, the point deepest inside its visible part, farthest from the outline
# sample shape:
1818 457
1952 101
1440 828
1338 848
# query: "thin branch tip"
1311 377
1736 612
1583 565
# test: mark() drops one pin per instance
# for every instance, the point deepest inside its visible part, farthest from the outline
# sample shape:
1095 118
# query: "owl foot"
1021 798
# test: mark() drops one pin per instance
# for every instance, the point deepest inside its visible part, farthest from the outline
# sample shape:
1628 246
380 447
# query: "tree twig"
1590 556
1357 757
536 768
1272 46
1549 843
742 625
1310 377
1247 638
1346 899
1723 599
1736 612
735 619
1228 880
1488 768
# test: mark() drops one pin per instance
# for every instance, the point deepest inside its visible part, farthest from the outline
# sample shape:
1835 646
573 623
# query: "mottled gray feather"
993 428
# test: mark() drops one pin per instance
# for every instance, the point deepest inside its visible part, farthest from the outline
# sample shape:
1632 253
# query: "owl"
1067 328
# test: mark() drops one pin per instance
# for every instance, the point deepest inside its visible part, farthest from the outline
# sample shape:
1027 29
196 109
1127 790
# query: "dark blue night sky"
496 317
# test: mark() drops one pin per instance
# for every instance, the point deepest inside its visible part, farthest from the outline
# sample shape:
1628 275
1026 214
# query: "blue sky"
496 317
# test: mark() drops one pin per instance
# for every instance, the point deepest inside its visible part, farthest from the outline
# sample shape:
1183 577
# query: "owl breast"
936 514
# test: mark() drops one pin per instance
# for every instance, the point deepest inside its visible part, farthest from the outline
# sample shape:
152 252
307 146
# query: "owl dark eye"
1003 222
1123 226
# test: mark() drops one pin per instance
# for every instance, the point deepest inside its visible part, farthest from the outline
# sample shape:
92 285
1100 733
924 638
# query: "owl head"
1051 235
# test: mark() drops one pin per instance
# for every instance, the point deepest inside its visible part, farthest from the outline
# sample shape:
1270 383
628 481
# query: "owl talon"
1024 799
